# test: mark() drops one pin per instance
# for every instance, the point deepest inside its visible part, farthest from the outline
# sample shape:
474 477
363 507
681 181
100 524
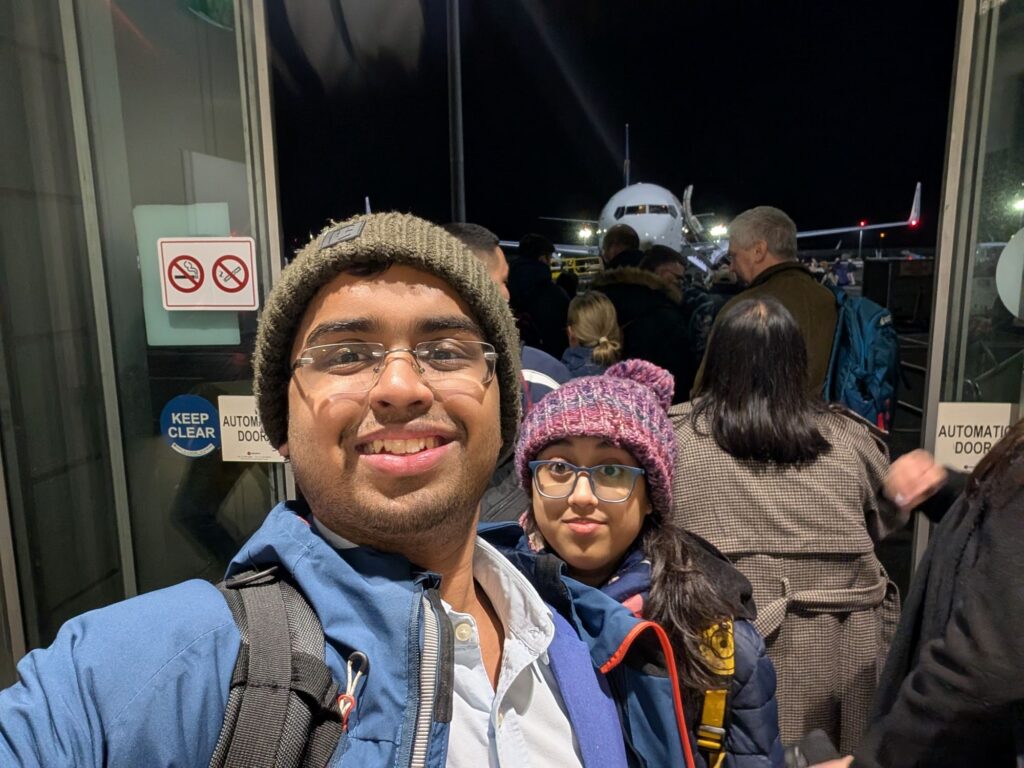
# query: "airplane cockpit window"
637 210
619 212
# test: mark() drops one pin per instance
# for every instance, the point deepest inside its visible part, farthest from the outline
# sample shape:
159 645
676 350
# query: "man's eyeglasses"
352 367
611 483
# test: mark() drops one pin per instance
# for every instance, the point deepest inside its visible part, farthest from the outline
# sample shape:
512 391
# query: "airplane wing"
912 221
571 250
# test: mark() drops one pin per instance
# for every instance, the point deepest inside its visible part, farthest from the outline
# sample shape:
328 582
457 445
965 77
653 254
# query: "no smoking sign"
208 273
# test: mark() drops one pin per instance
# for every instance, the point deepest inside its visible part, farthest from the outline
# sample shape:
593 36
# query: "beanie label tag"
342 234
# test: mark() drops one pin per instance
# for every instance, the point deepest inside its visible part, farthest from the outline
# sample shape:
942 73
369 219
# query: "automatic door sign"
967 431
208 273
190 425
242 431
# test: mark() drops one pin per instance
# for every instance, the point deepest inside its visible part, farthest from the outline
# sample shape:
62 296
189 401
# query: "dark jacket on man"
654 326
540 306
631 258
812 305
952 693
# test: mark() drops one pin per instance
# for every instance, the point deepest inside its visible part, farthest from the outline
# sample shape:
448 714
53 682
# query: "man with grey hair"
762 254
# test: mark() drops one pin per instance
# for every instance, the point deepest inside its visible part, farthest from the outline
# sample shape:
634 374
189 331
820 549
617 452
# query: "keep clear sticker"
242 432
189 425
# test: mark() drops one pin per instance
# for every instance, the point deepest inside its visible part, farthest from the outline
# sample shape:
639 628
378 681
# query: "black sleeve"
935 507
972 670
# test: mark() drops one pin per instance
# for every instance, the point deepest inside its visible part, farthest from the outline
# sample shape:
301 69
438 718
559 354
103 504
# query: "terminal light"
585 233
1018 204
719 230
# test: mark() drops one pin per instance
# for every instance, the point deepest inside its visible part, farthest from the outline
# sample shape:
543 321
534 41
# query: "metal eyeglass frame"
490 356
636 472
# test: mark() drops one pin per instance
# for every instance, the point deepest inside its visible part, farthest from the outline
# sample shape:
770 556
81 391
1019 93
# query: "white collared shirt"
523 722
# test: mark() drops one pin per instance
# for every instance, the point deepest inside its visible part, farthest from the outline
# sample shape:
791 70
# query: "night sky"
829 110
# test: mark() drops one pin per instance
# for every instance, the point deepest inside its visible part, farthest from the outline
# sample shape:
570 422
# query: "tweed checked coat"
804 537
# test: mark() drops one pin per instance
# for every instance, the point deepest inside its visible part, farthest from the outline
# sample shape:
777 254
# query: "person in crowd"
541 307
654 325
541 372
386 371
699 307
569 282
595 341
667 263
795 493
762 253
952 692
598 458
620 247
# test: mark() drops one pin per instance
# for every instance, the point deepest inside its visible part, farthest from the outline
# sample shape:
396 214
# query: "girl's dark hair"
754 390
683 601
1002 467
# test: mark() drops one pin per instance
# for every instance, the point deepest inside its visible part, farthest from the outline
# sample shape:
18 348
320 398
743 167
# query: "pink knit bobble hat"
626 405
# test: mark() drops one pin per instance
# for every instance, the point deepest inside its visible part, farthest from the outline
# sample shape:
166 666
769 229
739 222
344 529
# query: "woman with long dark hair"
791 490
597 457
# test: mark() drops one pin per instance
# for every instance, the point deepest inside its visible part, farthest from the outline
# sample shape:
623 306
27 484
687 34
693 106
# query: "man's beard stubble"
442 512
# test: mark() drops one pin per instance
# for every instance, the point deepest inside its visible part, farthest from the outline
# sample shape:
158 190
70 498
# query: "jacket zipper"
428 685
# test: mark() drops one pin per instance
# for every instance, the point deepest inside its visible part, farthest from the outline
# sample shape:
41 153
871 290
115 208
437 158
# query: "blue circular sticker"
190 425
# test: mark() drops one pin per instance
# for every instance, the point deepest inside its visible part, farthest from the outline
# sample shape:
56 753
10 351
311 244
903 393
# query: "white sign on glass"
241 432
208 273
967 431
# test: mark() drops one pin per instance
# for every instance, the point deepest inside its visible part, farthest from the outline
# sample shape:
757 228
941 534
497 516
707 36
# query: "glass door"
976 369
176 106
127 125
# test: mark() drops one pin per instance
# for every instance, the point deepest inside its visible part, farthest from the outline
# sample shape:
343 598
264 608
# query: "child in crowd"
598 456
595 340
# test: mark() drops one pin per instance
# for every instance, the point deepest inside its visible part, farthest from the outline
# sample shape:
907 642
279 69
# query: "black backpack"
283 706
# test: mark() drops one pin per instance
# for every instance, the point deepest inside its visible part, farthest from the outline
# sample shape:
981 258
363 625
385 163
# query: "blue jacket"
541 374
752 720
580 362
145 681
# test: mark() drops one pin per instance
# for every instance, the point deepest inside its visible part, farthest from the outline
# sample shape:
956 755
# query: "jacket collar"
769 273
600 621
366 601
638 277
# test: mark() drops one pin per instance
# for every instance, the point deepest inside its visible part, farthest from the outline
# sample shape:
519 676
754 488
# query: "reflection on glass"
991 332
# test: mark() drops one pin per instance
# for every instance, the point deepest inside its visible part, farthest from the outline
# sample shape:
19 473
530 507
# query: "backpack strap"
719 649
827 390
282 707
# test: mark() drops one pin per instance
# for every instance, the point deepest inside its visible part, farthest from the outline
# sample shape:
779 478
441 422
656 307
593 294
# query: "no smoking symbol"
185 274
230 274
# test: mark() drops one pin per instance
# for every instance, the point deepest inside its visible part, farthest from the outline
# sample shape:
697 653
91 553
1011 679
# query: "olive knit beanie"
393 238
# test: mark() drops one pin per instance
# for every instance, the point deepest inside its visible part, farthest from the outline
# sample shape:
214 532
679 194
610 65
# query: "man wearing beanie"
387 372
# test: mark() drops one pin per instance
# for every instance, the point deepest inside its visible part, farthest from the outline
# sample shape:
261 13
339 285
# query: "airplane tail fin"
915 209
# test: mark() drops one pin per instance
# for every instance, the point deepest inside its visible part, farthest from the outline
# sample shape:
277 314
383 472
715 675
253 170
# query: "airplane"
659 217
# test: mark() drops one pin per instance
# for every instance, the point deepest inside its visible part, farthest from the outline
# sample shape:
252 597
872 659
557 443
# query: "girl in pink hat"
597 457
